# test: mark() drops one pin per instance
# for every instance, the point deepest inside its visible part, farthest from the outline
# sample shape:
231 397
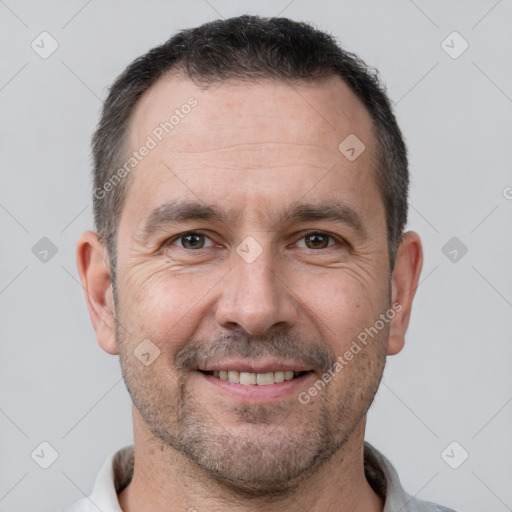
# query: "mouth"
255 379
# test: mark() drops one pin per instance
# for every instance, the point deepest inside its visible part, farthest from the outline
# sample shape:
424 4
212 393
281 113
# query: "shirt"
117 472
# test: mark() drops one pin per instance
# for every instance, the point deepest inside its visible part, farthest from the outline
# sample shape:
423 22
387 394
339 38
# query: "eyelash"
323 233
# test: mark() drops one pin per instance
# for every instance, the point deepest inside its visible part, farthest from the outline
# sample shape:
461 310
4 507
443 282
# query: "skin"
252 149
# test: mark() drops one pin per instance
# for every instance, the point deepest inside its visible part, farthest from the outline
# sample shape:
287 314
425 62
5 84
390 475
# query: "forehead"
270 141
314 113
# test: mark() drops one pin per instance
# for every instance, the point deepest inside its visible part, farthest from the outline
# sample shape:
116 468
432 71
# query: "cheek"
163 303
341 304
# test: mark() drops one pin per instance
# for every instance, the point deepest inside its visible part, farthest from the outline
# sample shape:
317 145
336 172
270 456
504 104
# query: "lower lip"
268 393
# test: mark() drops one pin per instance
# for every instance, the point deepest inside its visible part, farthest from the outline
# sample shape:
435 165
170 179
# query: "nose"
256 297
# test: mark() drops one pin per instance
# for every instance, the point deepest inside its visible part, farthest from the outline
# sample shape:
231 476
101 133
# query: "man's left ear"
406 274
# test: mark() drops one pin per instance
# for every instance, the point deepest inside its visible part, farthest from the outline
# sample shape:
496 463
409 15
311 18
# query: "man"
251 270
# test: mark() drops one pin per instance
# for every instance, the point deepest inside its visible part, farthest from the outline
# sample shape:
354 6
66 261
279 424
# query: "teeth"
264 379
278 376
248 378
233 376
251 379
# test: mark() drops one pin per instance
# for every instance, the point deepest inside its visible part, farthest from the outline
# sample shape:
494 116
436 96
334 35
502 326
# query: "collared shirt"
117 472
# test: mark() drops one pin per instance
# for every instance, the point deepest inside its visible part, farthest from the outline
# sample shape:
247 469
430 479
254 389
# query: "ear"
406 274
93 267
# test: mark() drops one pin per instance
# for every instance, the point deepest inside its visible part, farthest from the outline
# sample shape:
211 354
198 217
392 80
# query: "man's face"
259 290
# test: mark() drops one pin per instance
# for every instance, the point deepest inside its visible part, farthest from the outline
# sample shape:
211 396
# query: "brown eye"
317 240
191 240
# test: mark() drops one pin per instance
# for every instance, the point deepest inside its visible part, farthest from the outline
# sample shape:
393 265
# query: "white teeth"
278 376
233 376
264 379
247 378
251 379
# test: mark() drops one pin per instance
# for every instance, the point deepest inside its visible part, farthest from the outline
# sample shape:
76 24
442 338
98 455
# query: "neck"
165 480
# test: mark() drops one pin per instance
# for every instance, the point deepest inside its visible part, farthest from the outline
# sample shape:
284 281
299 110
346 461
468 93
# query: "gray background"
451 383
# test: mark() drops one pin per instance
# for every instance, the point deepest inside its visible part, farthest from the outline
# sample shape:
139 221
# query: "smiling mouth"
254 379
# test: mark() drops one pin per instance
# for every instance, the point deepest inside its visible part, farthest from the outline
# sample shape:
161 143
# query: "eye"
191 240
317 240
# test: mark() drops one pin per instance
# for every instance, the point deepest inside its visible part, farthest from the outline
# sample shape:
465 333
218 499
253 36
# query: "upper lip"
255 366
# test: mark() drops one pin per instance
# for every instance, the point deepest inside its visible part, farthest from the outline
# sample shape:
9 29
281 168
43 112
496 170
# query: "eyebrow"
181 211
